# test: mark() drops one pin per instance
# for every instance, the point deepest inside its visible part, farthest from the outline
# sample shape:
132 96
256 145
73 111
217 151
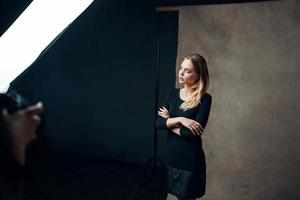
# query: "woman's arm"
184 126
174 122
178 122
201 118
176 130
169 122
161 120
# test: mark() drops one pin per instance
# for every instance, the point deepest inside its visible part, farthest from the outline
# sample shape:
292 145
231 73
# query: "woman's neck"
187 90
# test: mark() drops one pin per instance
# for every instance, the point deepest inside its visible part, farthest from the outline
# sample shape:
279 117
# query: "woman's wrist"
173 122
176 130
179 120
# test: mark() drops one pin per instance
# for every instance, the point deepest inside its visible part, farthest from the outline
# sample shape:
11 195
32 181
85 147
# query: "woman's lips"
180 78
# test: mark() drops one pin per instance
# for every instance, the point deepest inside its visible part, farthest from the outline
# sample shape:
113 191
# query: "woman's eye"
184 70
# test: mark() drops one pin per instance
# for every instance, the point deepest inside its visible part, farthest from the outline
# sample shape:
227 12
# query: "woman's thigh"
172 197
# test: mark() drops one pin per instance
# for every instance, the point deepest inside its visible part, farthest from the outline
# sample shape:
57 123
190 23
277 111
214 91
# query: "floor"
71 176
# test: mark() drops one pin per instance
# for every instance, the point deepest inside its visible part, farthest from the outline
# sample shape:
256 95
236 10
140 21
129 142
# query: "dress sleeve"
161 123
202 117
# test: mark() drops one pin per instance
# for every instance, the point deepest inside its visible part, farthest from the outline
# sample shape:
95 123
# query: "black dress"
186 159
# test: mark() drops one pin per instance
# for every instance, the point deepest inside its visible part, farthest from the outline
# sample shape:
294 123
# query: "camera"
12 102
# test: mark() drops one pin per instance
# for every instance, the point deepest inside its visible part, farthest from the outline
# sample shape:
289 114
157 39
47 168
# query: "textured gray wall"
252 138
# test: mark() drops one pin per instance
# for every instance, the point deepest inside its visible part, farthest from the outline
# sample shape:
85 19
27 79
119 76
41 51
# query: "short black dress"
186 160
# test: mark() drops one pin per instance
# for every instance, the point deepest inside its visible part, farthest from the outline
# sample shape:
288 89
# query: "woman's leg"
172 197
186 199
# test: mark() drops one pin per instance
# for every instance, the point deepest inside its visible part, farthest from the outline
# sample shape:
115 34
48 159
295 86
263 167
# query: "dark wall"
97 81
167 70
10 11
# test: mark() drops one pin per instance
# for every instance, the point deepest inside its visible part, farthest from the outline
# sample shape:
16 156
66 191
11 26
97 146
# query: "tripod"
154 159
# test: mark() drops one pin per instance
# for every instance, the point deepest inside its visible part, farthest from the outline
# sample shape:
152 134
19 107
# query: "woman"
185 113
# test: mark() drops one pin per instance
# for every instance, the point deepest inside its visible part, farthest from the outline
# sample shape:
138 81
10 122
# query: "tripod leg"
141 178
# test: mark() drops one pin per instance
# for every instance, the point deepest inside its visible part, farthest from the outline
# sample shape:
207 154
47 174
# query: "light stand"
154 159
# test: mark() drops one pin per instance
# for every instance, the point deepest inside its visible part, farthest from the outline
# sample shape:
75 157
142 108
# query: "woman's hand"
21 127
163 112
177 122
191 124
171 122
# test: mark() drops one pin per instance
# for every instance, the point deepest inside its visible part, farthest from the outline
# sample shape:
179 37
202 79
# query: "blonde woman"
185 113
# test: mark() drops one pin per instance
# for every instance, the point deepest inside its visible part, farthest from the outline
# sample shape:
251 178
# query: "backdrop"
252 138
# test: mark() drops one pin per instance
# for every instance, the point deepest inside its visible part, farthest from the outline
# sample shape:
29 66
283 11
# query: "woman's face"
187 74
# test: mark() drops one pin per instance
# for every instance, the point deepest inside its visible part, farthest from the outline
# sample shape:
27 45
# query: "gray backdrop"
252 138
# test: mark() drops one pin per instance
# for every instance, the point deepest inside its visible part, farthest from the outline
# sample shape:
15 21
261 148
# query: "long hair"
200 88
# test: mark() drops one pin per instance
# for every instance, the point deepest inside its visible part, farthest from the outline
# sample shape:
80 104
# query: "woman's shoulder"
206 97
172 93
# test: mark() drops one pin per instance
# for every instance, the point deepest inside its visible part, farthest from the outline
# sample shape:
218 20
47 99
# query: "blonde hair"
200 88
